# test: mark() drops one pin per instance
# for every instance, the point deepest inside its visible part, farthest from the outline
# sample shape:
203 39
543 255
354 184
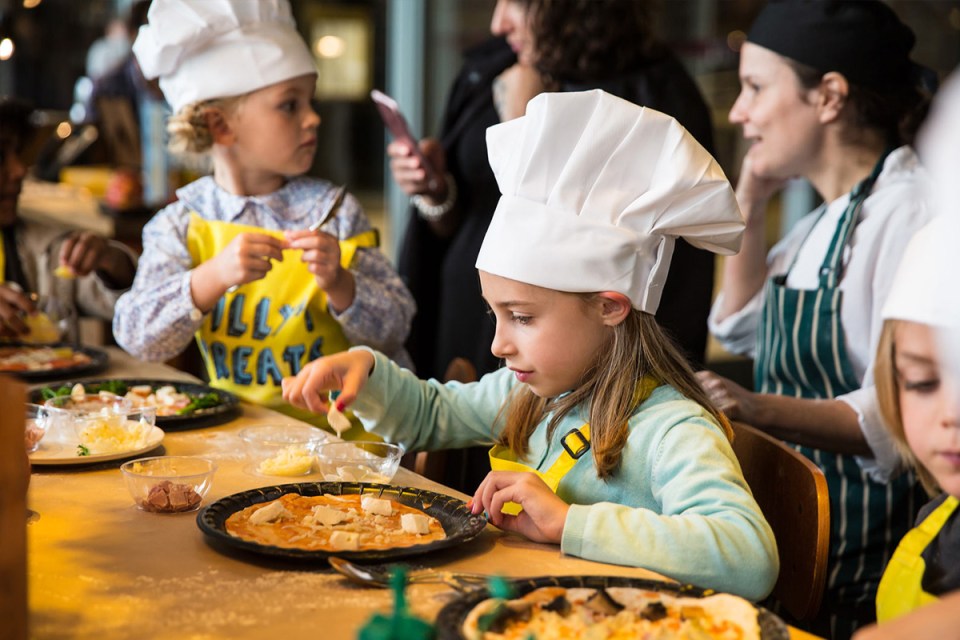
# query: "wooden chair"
792 493
14 475
432 464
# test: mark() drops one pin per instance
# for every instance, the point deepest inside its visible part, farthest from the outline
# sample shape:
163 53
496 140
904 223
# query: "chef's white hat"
924 289
203 49
596 190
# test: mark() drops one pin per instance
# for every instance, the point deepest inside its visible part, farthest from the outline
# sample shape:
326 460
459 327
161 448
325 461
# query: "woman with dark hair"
565 45
74 270
828 93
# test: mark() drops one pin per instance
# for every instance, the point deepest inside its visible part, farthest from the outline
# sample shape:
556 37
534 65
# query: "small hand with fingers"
544 513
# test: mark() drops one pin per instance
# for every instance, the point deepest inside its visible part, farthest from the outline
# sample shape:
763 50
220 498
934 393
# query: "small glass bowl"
36 426
169 484
282 450
359 461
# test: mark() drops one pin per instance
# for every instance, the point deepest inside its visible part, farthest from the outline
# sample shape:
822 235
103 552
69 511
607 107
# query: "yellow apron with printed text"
576 443
901 587
266 330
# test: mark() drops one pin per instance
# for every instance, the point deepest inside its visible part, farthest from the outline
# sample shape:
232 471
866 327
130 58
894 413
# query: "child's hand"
543 515
247 258
347 371
321 253
82 252
14 306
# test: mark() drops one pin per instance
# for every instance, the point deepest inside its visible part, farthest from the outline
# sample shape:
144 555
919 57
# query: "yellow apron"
266 330
901 587
575 442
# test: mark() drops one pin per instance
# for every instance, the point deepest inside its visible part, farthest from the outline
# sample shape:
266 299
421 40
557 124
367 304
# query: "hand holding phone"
397 124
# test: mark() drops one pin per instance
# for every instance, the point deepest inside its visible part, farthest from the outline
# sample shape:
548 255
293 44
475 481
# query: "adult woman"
560 45
822 98
565 45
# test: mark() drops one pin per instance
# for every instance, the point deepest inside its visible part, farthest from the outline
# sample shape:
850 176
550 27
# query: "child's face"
928 403
547 338
275 128
12 172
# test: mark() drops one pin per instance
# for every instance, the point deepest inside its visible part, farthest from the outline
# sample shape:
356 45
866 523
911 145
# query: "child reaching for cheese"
602 434
234 261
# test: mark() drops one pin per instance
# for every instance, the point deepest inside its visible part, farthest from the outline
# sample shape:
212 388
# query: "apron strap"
832 265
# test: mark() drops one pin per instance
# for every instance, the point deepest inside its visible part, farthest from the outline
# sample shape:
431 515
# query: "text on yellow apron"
901 587
575 442
266 330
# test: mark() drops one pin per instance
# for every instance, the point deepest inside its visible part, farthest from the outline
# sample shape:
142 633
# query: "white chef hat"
596 190
203 49
924 289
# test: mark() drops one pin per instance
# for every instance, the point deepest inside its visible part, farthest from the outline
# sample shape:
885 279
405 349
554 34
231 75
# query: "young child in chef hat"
233 261
602 433
919 396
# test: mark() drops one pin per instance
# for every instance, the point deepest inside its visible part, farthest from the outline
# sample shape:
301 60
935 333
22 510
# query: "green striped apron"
801 352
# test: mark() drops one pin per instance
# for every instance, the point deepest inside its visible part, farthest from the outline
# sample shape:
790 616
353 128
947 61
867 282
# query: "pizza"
612 613
334 523
165 398
22 358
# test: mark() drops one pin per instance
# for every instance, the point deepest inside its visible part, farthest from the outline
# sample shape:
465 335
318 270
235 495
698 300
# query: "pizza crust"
330 523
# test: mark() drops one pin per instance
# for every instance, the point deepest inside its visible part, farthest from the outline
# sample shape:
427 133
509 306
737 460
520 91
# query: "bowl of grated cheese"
103 423
282 450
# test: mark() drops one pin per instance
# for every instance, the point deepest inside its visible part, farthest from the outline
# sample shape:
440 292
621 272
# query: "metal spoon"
379 575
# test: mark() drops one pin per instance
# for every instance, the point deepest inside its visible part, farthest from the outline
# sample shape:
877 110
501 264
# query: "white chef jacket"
896 208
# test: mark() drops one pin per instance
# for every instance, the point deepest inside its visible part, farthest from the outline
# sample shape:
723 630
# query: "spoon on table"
327 215
379 575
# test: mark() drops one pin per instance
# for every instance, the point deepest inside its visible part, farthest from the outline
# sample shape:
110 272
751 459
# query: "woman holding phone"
554 45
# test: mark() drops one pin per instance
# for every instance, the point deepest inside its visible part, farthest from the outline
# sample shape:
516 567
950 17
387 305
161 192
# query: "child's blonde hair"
888 396
189 129
638 347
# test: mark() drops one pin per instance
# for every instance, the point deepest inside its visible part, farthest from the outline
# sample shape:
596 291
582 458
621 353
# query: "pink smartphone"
393 118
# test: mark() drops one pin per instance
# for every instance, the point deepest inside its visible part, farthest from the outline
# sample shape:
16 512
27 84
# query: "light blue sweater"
678 504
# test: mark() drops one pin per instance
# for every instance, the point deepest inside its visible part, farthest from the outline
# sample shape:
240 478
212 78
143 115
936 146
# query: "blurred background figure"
556 45
109 50
48 276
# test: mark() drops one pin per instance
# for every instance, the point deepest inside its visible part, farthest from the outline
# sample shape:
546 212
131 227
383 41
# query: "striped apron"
801 352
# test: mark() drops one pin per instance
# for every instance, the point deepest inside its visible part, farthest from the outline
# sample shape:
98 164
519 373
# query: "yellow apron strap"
901 587
576 444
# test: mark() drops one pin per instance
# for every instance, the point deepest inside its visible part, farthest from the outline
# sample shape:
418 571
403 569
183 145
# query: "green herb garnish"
82 450
206 401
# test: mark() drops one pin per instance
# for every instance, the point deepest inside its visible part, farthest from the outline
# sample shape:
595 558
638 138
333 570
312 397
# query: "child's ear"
832 96
220 129
614 307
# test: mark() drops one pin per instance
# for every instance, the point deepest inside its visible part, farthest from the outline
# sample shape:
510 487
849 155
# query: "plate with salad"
180 405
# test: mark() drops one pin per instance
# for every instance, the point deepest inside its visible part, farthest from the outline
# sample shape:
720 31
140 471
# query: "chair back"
792 493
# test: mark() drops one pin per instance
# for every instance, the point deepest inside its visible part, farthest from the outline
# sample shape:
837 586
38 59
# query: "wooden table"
99 567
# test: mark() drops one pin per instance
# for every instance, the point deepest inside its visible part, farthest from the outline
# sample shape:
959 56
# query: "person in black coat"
538 45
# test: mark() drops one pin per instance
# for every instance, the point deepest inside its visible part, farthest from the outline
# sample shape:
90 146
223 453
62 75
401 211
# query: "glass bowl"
359 461
282 450
36 426
168 484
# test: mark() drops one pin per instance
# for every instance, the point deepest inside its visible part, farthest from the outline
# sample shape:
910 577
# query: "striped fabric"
801 353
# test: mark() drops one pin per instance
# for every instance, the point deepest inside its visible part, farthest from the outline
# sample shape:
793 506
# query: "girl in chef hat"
601 432
920 403
236 261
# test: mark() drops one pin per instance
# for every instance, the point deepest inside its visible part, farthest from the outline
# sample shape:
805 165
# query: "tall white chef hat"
596 190
924 289
203 49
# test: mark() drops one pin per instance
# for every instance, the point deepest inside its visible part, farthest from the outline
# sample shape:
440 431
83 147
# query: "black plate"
98 362
451 617
226 410
459 524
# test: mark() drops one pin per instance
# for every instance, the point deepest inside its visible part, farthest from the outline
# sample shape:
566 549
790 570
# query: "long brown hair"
637 347
888 397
